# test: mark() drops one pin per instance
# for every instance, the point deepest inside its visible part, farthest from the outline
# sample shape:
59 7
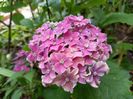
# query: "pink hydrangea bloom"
69 52
61 62
95 72
20 62
67 80
19 68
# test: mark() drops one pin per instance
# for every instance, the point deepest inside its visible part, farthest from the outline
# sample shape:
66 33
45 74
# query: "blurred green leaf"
93 3
1 17
15 6
98 14
26 47
124 46
6 9
27 23
54 92
17 94
29 76
115 85
6 72
90 4
17 17
14 76
8 92
127 63
55 4
117 18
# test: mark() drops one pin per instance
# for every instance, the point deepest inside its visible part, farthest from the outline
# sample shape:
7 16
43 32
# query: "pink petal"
68 87
52 75
75 71
59 68
93 84
46 79
41 65
82 80
77 54
78 60
89 61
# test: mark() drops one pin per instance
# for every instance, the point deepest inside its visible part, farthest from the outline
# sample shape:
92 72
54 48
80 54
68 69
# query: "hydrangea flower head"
69 52
20 61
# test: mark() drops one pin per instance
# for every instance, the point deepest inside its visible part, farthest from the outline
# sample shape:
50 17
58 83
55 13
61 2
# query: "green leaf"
27 22
6 9
55 4
97 15
17 17
8 92
17 94
93 3
124 46
127 63
29 76
90 4
54 92
9 8
14 76
26 47
117 18
115 85
1 17
6 72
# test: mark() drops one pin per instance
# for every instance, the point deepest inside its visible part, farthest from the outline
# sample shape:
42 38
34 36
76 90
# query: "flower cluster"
69 52
19 62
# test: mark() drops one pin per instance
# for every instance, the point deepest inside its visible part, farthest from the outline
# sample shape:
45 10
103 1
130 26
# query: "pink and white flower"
69 52
95 72
20 61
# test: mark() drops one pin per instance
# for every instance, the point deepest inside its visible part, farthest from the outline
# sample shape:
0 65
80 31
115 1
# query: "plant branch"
31 11
3 23
10 28
120 58
48 10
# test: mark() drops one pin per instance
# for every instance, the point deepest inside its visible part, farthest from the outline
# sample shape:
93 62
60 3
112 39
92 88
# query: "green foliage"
6 72
29 76
91 3
27 23
124 46
8 92
26 48
17 17
54 92
15 80
17 94
103 13
8 8
1 17
117 18
115 85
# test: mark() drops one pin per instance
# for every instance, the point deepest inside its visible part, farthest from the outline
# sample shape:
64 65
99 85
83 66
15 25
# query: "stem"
32 11
120 58
3 23
48 10
60 11
38 11
9 29
76 2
